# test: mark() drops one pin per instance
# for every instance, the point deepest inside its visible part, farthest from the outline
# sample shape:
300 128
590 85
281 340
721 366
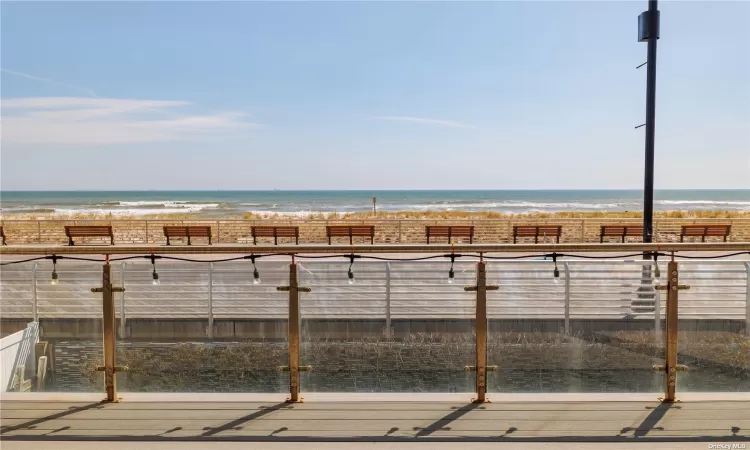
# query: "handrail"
377 248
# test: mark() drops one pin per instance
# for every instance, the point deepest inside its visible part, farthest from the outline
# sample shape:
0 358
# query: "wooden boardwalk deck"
354 419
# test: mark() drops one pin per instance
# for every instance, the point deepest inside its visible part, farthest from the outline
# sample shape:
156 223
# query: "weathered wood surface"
602 421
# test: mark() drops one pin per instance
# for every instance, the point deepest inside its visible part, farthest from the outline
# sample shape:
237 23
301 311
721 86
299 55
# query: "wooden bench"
537 231
2 234
75 231
275 233
450 232
188 232
704 231
621 231
351 231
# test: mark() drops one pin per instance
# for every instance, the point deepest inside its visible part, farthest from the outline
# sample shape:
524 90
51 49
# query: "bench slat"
351 231
189 232
537 231
450 231
72 231
621 231
704 231
275 233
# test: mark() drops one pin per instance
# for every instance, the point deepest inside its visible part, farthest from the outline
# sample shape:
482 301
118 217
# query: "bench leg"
296 240
112 240
372 240
168 240
428 238
189 239
70 241
471 239
255 240
329 240
209 240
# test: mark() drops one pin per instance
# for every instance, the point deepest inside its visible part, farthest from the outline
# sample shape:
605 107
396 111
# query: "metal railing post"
387 299
566 267
293 333
670 367
123 317
108 325
210 329
480 326
34 301
747 299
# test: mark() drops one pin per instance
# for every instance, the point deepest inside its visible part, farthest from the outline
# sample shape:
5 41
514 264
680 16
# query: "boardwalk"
527 419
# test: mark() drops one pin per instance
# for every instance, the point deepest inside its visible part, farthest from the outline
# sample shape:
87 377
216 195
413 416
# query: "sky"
369 95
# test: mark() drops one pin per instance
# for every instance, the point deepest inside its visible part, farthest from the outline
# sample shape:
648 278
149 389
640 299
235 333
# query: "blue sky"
376 95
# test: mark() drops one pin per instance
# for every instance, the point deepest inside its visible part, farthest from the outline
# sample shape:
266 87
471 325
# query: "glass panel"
401 327
712 338
612 342
48 356
166 341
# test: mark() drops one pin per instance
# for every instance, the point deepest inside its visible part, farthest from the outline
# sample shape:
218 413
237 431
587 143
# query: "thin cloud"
86 91
444 123
109 121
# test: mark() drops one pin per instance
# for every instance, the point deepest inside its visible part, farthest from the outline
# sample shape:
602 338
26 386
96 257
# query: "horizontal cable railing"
386 317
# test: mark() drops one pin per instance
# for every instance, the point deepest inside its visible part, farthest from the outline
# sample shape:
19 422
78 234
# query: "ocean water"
302 203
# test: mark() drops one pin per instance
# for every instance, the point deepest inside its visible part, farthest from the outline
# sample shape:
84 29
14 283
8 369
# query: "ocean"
302 203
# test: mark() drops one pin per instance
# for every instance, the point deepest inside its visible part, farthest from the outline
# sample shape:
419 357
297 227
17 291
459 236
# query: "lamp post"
648 31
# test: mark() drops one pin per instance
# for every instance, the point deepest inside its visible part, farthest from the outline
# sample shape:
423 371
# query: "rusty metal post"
108 325
293 333
670 366
480 325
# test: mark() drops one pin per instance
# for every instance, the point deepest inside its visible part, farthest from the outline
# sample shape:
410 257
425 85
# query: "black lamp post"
648 30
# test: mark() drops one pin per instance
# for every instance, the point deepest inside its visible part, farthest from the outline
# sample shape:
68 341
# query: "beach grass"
429 215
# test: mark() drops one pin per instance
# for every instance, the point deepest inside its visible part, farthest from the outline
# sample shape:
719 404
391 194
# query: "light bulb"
451 275
556 280
155 276
351 277
657 272
54 278
256 277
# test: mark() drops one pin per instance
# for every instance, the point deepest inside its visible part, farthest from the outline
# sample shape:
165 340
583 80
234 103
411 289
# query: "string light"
657 272
256 274
54 271
556 272
154 274
451 273
351 273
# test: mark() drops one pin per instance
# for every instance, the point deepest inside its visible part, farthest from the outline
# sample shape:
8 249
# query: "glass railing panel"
49 355
609 342
712 339
203 328
401 327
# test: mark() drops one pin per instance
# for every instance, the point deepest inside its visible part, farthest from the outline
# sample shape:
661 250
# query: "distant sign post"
374 208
